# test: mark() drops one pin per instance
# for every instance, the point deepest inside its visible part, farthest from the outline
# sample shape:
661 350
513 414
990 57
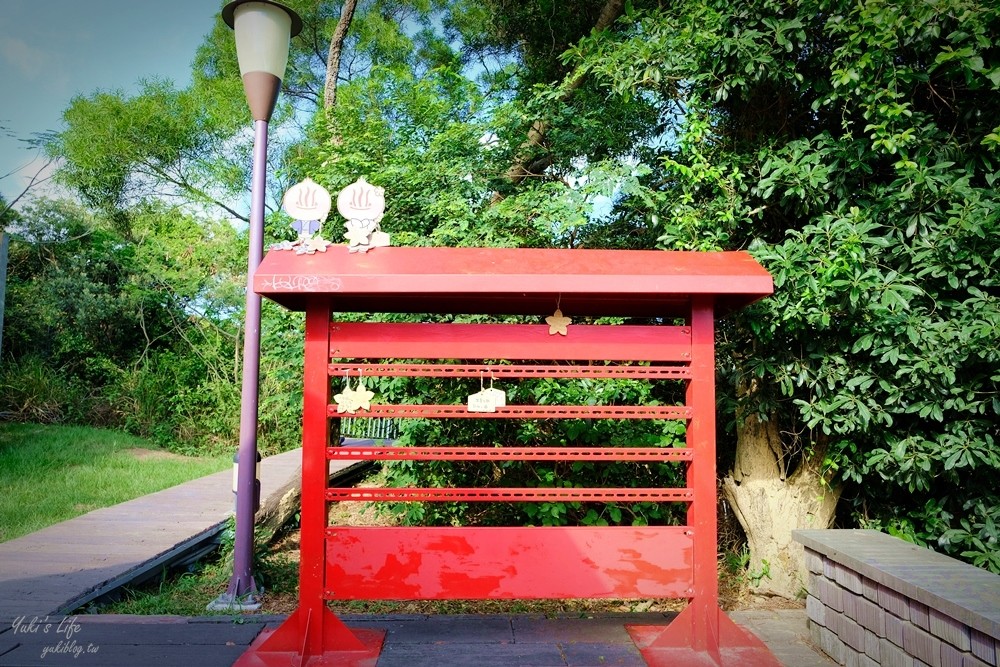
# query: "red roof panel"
528 281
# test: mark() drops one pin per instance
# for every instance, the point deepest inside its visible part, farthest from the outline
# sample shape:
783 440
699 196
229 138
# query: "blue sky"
53 50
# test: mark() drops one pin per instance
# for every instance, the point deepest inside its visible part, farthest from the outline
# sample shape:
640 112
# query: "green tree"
120 153
845 145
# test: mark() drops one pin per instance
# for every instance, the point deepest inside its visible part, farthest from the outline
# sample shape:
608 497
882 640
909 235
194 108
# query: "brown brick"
829 568
952 631
852 634
950 656
920 615
832 645
871 616
894 602
815 610
832 595
870 589
894 656
922 645
894 629
814 632
849 579
969 660
834 621
850 601
814 561
983 646
865 661
872 646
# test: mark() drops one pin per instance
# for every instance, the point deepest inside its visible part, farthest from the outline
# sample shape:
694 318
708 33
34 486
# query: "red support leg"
702 634
313 636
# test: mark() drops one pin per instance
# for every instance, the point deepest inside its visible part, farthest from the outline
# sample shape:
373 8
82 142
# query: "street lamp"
263 30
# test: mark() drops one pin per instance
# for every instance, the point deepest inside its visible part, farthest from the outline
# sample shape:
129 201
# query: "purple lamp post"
263 30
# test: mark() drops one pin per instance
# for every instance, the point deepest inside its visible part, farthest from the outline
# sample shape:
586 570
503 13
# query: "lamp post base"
237 603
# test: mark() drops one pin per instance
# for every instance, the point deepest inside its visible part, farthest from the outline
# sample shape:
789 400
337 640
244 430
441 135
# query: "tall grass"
50 473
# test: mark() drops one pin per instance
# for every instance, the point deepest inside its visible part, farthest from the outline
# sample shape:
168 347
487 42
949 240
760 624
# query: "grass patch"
187 593
52 473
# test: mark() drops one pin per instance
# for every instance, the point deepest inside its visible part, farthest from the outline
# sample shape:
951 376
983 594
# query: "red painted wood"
507 371
510 495
507 563
352 453
520 281
407 340
678 645
521 412
315 439
702 477
406 563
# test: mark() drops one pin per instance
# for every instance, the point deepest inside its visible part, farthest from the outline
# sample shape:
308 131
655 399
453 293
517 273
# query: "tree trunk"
770 504
527 163
336 48
278 509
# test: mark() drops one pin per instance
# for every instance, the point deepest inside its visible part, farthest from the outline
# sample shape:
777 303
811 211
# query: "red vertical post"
315 467
701 634
702 478
313 635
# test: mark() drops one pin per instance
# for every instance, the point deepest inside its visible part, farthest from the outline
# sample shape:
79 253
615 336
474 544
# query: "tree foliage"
846 146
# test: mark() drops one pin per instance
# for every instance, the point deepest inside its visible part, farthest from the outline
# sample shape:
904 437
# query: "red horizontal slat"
510 371
521 412
373 563
408 340
350 453
508 495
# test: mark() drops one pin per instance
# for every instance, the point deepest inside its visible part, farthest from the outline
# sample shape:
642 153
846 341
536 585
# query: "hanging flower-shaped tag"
352 400
558 324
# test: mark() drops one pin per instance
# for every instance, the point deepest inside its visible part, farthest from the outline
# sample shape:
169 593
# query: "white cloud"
29 61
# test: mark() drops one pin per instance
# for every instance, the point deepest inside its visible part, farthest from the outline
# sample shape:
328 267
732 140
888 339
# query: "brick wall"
862 623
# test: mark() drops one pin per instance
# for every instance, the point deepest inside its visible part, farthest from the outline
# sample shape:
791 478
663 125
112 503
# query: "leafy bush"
31 390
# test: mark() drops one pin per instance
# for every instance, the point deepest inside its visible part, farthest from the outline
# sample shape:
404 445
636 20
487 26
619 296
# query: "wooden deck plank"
41 571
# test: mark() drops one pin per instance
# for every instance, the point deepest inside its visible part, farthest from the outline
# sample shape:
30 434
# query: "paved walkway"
55 569
411 641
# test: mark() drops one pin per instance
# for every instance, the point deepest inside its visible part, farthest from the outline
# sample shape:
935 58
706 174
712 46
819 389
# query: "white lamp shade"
262 33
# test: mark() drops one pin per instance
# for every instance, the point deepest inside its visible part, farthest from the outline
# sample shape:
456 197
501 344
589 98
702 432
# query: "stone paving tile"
412 641
444 629
449 654
604 629
587 654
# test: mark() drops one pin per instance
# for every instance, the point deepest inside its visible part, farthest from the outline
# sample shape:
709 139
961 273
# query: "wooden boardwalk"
55 569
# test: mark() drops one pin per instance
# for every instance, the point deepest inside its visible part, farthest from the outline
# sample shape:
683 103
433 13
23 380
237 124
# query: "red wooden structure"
684 291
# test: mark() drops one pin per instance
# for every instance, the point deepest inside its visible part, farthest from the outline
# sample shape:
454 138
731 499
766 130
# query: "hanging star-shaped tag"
557 323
